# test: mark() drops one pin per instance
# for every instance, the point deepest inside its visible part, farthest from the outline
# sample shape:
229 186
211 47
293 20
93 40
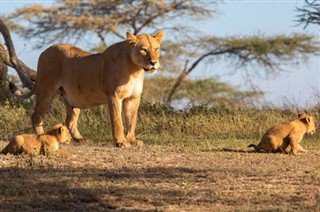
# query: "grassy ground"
191 161
160 177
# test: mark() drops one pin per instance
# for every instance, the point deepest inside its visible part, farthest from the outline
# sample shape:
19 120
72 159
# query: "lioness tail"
17 92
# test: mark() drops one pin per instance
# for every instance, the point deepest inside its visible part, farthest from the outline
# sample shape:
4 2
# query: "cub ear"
308 119
57 126
61 129
131 38
159 36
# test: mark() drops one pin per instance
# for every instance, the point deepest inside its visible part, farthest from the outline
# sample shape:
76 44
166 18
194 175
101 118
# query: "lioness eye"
144 51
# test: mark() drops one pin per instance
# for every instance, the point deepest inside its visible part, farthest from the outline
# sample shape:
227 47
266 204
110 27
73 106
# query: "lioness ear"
159 35
131 38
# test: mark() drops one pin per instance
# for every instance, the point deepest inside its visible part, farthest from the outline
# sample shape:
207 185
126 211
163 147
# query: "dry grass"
160 177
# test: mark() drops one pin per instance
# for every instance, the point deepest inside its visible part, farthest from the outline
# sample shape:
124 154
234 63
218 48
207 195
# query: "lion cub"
45 144
280 137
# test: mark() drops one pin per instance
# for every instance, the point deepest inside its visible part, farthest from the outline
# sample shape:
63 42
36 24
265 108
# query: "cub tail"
254 146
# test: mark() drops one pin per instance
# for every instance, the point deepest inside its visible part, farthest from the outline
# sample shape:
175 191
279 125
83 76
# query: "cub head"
309 121
62 133
145 50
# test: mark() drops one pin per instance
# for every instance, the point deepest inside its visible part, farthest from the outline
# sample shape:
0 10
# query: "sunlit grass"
197 128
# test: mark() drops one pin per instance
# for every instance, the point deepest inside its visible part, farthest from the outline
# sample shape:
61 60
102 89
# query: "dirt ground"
159 178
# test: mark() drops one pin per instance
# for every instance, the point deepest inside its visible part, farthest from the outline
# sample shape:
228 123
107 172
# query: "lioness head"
145 50
309 121
62 133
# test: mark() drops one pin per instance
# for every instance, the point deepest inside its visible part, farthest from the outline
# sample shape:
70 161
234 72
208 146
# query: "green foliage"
270 52
73 20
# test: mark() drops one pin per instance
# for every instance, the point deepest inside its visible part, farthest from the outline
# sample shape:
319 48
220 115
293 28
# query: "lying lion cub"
45 144
283 136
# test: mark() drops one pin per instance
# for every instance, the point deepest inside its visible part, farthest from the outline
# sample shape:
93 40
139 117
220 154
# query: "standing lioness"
85 80
282 136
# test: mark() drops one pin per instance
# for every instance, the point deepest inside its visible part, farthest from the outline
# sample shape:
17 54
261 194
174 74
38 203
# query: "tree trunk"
4 89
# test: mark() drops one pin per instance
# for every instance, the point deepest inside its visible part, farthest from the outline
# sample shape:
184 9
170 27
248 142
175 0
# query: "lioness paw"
136 143
83 141
122 144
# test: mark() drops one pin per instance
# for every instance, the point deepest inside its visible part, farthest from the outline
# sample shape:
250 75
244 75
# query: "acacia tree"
269 53
9 58
72 20
310 13
184 49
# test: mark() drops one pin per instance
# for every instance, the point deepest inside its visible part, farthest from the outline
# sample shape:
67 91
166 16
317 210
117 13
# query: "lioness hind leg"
130 109
72 121
43 101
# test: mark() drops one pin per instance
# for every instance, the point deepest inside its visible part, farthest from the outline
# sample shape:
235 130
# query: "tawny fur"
45 144
85 80
286 137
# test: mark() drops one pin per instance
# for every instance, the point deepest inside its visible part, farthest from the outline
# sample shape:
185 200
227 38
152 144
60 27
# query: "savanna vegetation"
195 157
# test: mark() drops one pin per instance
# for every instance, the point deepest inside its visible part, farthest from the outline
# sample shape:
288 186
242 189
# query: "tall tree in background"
73 20
185 48
8 58
3 78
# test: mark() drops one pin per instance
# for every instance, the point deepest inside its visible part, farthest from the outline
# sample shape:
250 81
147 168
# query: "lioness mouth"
150 70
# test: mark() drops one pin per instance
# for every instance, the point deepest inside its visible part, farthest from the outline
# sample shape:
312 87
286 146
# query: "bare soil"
159 178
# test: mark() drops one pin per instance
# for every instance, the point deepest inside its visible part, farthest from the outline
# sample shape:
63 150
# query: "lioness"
85 80
45 144
283 136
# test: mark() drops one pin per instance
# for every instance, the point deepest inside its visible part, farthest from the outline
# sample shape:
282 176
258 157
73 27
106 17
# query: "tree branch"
185 72
26 74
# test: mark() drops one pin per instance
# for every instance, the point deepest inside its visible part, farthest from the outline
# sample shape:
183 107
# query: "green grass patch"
198 127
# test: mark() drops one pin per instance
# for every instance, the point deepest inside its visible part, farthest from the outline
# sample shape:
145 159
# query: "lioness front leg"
115 108
130 107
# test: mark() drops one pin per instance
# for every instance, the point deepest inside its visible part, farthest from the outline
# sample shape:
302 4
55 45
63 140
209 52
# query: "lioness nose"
153 62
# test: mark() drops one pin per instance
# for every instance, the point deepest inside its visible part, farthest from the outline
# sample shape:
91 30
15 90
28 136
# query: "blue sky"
299 84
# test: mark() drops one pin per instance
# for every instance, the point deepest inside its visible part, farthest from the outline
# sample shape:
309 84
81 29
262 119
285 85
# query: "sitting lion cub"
45 144
280 137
